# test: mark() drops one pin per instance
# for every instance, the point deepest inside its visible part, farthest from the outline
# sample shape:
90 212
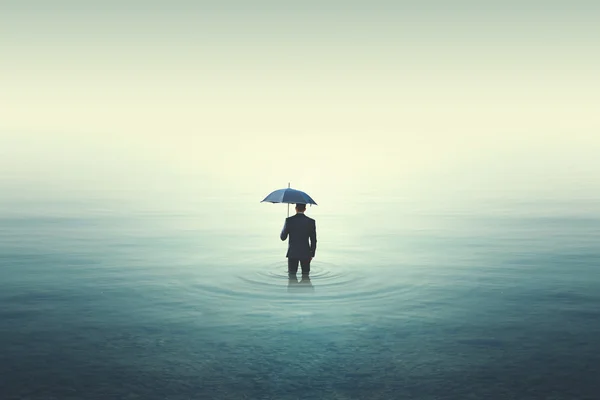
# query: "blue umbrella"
289 196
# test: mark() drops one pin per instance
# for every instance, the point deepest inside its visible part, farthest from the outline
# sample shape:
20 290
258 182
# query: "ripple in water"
328 282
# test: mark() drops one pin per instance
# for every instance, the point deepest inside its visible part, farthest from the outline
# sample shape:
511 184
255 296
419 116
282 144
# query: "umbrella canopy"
290 196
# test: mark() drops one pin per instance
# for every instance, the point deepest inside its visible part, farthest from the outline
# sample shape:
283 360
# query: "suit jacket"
300 229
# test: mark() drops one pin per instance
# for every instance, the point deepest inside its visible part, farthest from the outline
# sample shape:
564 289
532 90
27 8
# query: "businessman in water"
300 229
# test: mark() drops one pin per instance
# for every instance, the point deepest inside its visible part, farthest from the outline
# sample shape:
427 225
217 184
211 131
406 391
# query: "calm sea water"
101 298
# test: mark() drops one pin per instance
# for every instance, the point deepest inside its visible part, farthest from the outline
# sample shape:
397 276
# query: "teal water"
103 298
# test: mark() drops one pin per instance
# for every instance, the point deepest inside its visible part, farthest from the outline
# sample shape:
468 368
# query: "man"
300 228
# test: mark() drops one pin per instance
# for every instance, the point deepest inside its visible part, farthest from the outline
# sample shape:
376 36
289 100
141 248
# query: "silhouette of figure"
303 285
301 229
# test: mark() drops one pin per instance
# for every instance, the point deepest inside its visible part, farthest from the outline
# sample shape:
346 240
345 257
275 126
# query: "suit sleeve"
284 231
313 239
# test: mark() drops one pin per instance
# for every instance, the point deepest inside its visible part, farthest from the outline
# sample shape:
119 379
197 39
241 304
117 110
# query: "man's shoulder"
298 216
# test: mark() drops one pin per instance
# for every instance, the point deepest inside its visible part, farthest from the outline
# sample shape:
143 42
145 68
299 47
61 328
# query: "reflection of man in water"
300 228
302 285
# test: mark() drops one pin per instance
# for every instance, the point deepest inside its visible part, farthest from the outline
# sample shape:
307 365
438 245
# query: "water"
121 298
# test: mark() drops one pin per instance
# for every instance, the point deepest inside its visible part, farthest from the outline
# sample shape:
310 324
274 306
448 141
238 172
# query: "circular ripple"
352 285
322 271
327 281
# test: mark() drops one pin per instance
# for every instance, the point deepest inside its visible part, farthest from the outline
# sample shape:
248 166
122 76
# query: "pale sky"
355 96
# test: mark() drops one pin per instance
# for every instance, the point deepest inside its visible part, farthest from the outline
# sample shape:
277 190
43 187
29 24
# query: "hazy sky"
330 95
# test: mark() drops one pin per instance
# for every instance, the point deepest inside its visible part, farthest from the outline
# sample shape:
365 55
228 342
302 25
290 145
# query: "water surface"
105 299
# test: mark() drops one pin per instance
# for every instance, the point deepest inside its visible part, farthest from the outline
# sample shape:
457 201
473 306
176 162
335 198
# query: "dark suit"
300 229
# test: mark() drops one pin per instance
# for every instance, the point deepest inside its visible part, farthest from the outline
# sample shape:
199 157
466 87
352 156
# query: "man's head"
300 208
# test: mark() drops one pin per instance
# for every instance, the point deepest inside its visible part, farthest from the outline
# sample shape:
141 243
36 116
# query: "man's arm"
313 239
284 231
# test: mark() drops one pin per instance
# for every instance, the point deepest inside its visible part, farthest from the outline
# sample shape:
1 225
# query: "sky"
429 98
